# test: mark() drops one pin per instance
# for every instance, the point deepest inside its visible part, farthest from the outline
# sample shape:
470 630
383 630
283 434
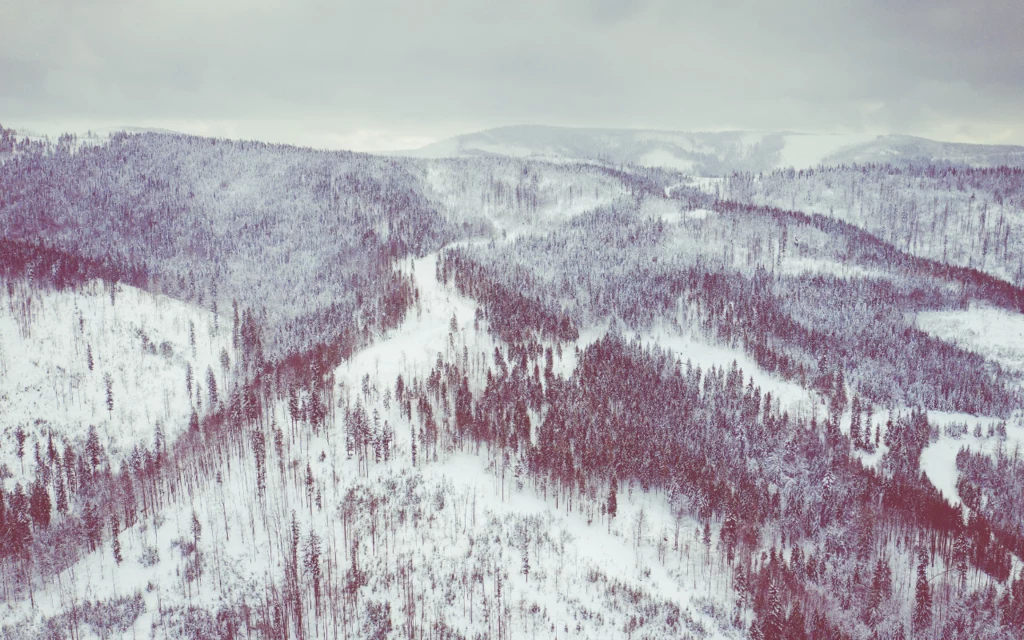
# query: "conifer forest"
261 391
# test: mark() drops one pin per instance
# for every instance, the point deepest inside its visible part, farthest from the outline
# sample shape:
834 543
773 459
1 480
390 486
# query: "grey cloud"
426 68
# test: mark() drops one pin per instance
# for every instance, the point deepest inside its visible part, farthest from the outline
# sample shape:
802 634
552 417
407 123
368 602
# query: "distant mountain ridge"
713 153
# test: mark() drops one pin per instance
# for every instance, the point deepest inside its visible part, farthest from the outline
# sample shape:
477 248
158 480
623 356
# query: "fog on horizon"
399 74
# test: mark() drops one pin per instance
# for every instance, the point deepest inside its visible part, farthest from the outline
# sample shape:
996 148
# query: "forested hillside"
264 391
971 217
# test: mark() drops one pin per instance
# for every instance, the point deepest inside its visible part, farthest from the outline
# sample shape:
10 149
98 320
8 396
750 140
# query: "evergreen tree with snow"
613 500
855 426
211 388
922 615
772 620
312 565
108 383
795 627
115 541
39 505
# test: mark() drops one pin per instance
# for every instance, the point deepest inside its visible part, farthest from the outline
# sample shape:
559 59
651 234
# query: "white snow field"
997 334
802 151
138 341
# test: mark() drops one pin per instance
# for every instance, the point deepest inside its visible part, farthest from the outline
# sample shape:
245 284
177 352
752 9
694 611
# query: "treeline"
513 315
614 262
45 266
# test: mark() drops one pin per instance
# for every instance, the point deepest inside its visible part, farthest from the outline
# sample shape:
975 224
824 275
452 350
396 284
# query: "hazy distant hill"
713 153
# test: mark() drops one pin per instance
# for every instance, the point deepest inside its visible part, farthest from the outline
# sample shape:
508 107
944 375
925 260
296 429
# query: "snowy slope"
461 520
710 153
138 340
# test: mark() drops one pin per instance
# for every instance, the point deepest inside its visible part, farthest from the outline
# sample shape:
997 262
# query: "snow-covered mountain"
261 390
712 153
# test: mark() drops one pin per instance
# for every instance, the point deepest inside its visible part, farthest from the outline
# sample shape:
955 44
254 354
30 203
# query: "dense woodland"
781 520
952 213
807 327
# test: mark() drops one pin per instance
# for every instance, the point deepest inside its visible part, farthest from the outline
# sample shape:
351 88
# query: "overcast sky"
379 74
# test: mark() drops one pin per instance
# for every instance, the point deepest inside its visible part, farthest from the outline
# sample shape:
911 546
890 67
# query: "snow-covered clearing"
938 460
791 396
141 343
798 265
713 186
671 211
665 158
802 151
997 334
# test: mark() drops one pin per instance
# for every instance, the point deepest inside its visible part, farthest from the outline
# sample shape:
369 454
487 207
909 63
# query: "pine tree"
93 449
60 492
727 536
211 388
773 618
5 542
259 449
413 445
961 554
19 438
872 615
108 382
93 525
197 529
19 531
158 441
295 543
39 505
795 627
115 542
922 616
312 562
613 500
293 405
526 562
309 487
88 357
855 427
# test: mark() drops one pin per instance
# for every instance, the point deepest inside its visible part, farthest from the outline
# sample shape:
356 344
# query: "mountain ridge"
713 153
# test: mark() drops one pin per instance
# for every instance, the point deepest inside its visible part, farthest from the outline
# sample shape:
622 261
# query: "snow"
46 385
938 460
665 158
713 186
797 265
701 353
802 151
413 348
997 334
671 211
